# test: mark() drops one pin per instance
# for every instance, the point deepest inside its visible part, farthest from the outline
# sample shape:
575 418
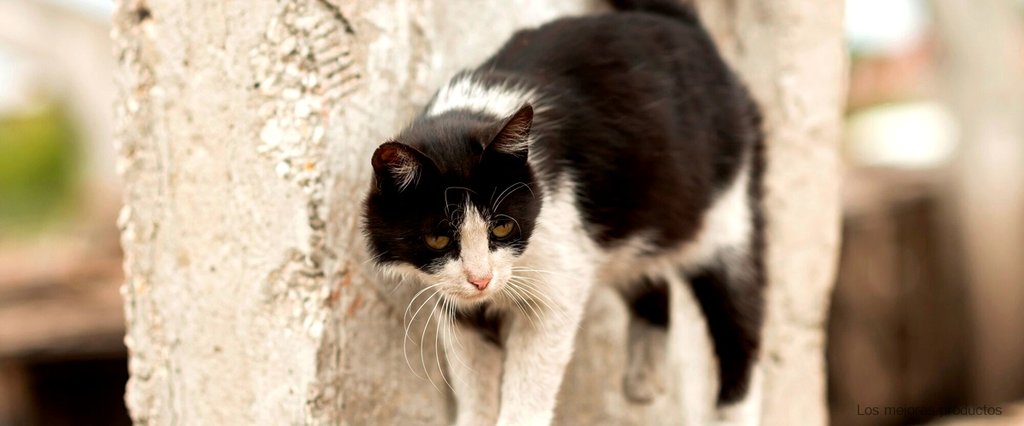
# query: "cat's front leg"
474 364
538 349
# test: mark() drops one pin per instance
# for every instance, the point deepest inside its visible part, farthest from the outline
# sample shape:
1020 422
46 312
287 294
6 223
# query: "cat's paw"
645 376
642 383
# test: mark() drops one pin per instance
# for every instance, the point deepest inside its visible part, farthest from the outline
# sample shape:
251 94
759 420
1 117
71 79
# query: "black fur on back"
679 9
649 120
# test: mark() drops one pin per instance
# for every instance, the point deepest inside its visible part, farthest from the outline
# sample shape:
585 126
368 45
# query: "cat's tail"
678 9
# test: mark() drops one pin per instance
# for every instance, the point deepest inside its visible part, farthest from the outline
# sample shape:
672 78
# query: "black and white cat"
609 150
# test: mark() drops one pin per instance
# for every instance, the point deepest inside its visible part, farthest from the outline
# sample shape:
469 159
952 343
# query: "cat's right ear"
514 136
398 167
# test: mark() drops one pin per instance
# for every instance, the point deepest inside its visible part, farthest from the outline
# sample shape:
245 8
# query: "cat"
617 150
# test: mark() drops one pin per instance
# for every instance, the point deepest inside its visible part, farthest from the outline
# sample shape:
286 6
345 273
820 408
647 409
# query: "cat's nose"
480 283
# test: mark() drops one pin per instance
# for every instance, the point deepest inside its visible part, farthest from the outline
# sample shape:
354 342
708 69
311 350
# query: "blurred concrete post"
791 53
981 53
243 133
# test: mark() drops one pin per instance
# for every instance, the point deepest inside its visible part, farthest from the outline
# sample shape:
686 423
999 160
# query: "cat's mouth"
475 297
472 296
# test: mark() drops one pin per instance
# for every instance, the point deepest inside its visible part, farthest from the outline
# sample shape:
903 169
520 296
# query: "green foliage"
38 159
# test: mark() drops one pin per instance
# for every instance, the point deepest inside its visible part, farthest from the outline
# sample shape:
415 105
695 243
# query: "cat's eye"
437 242
502 230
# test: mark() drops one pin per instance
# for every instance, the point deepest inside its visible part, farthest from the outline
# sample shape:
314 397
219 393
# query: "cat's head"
454 202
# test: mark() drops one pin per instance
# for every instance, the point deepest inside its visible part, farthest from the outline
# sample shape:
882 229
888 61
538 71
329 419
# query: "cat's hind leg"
747 410
730 293
647 342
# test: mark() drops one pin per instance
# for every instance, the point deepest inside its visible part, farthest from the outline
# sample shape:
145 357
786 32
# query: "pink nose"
480 283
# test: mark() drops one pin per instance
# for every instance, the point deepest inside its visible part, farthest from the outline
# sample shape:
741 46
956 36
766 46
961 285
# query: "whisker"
455 333
446 203
398 285
540 296
408 339
409 306
437 352
401 279
408 325
536 304
423 336
502 194
452 334
557 308
514 296
508 191
561 274
521 300
533 306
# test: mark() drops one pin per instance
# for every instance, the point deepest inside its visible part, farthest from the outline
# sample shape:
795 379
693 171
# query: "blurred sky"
11 84
100 8
884 26
16 71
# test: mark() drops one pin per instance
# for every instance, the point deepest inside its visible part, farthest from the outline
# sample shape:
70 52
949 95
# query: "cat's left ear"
514 136
398 166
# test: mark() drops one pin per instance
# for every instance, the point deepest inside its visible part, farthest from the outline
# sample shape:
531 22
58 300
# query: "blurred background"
928 311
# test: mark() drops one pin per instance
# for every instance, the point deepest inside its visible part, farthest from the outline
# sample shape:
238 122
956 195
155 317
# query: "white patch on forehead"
463 92
474 243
